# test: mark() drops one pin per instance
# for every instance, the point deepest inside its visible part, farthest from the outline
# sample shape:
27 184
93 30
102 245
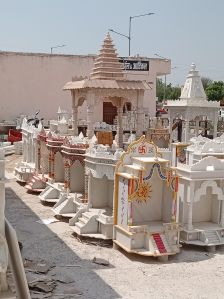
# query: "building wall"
32 81
29 82
157 67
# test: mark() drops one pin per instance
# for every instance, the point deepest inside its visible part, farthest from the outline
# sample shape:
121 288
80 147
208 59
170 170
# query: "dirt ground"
194 273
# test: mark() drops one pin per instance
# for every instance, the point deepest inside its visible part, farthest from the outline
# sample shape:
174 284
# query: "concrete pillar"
119 125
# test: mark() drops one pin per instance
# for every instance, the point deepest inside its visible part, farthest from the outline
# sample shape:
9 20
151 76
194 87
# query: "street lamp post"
129 31
60 46
130 19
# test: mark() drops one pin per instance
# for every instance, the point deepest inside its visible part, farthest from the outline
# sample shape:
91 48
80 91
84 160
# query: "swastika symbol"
142 149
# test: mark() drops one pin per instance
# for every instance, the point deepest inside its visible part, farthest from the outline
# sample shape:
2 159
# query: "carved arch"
202 190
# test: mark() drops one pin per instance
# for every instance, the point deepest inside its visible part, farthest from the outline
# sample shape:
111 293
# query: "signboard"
134 65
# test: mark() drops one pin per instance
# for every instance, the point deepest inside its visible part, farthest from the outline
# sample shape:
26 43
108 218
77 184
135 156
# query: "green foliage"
215 91
171 93
206 82
159 89
175 93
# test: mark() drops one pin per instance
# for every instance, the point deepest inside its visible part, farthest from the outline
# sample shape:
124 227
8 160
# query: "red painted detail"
159 243
14 135
142 149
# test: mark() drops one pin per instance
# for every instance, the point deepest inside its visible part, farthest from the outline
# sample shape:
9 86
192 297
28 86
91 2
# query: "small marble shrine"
145 202
147 191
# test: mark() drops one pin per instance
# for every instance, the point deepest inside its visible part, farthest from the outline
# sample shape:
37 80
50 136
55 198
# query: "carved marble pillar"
28 149
74 115
24 147
38 156
221 209
186 132
222 214
90 129
140 120
215 124
190 194
140 114
170 126
197 126
44 164
119 125
33 149
87 187
49 163
53 165
67 175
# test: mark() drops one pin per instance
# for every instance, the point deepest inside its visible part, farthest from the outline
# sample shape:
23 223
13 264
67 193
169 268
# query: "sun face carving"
142 194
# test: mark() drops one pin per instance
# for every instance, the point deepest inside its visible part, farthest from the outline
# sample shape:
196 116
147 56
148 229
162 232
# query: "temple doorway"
109 113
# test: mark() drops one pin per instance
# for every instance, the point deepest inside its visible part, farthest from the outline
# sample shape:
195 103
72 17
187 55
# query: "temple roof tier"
111 84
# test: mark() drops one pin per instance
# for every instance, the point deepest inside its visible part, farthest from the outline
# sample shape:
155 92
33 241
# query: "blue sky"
185 31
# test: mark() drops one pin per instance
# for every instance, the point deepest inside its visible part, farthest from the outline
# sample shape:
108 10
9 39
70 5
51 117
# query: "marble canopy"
107 83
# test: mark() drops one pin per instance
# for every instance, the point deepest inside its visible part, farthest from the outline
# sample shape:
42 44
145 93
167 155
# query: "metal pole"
129 37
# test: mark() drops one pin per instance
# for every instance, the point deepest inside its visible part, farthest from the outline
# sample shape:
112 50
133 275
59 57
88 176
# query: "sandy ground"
193 273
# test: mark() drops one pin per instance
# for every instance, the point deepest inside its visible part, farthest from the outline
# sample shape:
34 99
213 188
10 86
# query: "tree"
175 93
171 93
215 91
206 82
160 89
